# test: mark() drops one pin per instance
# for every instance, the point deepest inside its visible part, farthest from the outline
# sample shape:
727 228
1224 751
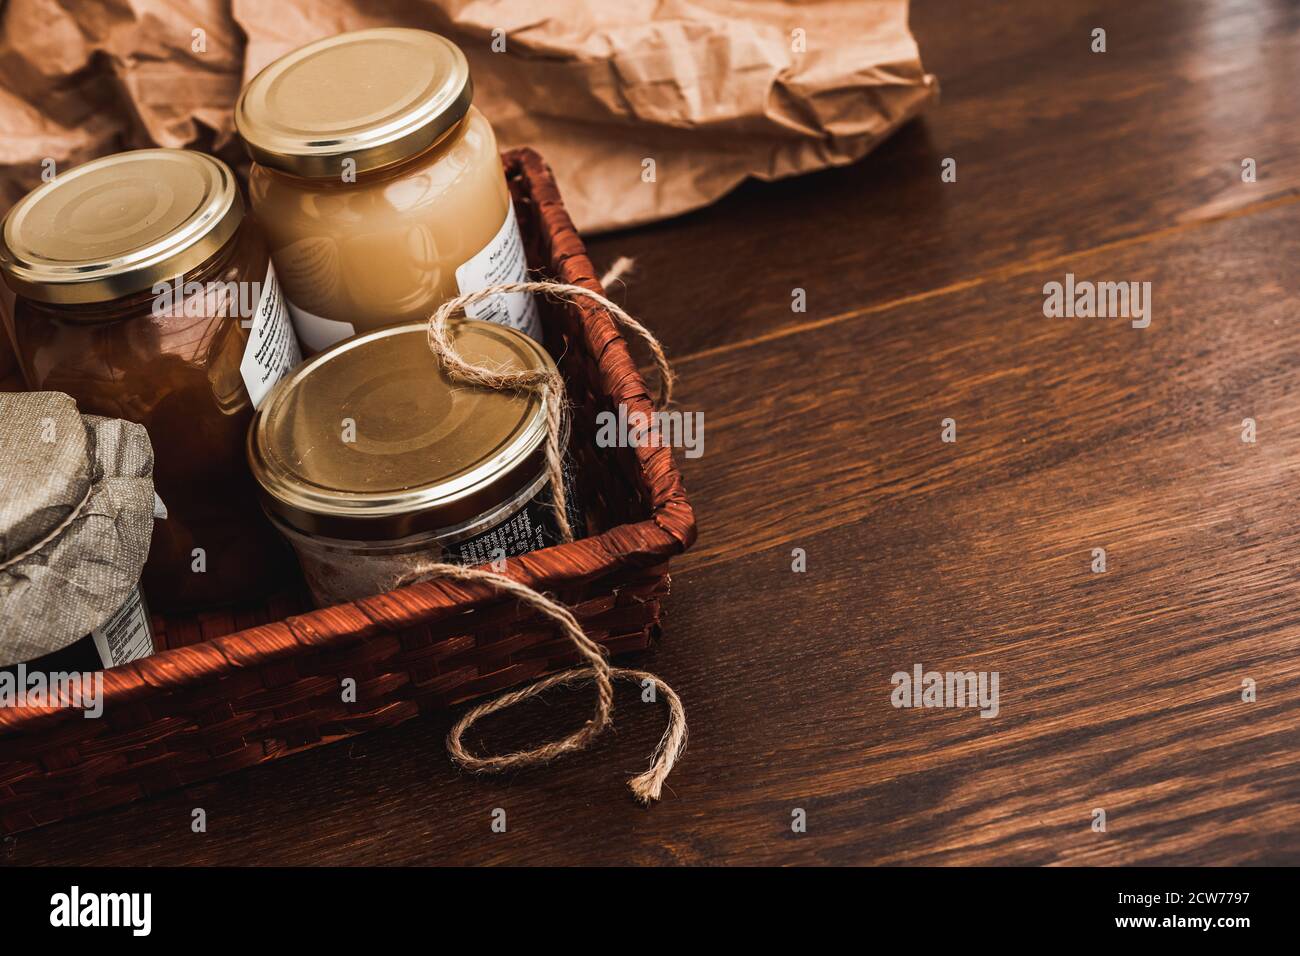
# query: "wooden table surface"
1119 690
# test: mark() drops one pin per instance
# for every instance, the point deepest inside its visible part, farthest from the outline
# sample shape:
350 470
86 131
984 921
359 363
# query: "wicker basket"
210 704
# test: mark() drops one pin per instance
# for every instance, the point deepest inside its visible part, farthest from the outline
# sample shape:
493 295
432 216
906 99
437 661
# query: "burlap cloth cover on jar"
85 483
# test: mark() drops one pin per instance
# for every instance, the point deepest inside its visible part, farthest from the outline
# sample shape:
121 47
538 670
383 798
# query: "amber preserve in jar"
380 185
144 292
373 463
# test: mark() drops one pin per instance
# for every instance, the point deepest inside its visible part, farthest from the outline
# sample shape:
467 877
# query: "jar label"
272 350
126 636
526 530
531 528
501 260
316 332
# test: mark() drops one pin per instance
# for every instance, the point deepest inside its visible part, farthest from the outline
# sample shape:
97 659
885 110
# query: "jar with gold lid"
380 185
372 462
144 291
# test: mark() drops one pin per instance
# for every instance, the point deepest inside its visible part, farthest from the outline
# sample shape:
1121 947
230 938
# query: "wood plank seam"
994 275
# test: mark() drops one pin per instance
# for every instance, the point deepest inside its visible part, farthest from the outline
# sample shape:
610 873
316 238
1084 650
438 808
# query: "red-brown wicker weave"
212 704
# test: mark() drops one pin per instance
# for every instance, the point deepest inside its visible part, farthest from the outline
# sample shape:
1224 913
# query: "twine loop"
646 786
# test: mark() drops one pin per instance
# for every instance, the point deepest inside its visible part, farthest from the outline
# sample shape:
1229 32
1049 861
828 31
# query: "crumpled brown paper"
644 108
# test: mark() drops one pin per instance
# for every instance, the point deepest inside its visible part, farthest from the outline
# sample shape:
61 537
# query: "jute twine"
58 529
549 385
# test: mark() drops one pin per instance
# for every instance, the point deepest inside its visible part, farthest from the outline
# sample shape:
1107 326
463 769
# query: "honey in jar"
380 185
144 291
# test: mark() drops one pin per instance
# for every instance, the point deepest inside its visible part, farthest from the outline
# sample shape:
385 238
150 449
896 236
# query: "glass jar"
143 291
11 377
380 186
373 463
75 526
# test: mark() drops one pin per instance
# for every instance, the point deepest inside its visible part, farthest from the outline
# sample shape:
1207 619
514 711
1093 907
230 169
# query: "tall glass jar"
380 185
144 292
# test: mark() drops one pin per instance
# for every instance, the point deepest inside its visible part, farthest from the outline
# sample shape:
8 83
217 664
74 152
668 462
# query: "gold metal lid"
369 440
116 225
374 96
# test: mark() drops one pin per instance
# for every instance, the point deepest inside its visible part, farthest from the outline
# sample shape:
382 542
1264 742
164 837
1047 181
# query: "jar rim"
118 225
476 447
376 97
423 539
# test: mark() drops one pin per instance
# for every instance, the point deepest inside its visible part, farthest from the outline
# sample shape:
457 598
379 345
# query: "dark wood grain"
1119 690
1058 150
1027 392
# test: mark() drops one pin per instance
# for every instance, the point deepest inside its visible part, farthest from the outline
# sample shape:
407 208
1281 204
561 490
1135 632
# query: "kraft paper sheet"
712 91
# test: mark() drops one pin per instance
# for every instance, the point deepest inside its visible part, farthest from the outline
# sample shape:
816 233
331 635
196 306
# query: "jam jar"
144 291
372 462
380 185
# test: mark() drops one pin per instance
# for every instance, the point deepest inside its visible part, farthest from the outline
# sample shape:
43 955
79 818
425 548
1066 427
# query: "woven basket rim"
670 529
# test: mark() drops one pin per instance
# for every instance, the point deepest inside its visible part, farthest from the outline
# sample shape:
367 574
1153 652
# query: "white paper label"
316 332
501 260
272 349
126 636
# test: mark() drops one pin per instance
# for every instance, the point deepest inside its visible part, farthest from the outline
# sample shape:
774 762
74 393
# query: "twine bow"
646 786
